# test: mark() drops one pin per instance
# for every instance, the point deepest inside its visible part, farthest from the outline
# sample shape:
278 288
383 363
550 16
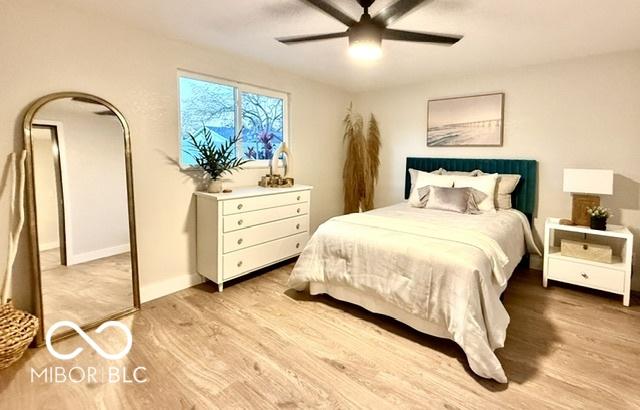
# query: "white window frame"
239 87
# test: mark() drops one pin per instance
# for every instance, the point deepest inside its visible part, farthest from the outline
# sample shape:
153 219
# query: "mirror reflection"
82 211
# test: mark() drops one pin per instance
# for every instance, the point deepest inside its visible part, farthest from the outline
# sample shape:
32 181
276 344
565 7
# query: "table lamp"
585 185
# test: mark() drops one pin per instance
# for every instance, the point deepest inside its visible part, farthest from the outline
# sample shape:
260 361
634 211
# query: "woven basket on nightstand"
17 330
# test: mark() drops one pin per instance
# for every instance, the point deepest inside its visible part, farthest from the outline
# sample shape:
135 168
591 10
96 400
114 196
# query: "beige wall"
582 113
47 47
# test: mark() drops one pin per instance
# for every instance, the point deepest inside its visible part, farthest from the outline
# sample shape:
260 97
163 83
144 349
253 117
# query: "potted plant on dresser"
599 216
215 159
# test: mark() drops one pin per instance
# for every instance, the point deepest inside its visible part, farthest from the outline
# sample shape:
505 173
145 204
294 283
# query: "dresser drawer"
243 238
235 206
248 219
239 262
582 274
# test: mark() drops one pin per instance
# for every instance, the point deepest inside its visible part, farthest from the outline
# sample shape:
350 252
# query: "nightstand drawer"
596 277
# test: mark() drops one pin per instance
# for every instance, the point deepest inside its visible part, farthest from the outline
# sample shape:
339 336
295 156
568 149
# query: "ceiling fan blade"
305 38
401 35
332 11
395 11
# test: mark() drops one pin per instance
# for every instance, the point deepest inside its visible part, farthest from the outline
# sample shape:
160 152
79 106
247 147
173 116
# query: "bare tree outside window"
214 106
262 118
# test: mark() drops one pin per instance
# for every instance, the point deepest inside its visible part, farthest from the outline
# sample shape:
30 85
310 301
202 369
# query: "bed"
439 272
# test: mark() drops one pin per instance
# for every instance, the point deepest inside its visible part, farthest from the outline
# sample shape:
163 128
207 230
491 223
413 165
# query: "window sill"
255 164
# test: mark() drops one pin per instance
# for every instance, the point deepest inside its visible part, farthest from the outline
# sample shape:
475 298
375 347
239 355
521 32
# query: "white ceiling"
498 34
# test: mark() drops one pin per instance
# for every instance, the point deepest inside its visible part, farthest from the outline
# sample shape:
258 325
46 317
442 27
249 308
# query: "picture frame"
468 121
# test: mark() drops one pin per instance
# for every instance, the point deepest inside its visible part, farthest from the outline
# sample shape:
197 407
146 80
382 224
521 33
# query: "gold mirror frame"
33 232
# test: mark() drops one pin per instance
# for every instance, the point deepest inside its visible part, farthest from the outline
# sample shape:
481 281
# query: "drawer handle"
240 241
584 275
297 245
240 221
239 263
297 226
298 198
239 206
298 210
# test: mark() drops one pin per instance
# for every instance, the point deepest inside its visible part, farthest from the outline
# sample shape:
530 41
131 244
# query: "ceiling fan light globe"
365 50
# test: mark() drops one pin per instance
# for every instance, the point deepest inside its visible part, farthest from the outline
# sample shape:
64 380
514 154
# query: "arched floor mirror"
81 209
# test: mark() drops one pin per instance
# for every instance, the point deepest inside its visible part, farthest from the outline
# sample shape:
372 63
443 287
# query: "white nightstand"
610 277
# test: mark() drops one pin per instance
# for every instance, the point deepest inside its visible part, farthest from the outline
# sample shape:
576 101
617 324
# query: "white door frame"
64 181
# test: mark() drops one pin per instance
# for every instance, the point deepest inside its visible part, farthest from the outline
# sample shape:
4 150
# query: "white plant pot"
215 186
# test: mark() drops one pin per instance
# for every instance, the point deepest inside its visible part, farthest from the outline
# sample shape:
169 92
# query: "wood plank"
259 345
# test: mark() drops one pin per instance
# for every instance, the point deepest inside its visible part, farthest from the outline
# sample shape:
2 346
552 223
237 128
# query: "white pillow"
507 183
424 179
483 183
413 174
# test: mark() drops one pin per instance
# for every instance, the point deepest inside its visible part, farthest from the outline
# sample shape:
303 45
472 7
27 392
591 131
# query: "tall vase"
215 186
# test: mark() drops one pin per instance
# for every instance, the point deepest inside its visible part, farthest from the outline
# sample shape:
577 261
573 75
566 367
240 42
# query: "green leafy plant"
599 212
215 160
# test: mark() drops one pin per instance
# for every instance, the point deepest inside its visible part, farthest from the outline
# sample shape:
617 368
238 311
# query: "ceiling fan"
366 35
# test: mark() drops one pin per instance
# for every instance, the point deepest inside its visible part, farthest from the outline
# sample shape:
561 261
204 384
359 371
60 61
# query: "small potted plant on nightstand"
215 159
599 216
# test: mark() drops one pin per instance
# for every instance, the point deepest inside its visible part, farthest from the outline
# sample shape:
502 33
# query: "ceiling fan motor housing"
365 31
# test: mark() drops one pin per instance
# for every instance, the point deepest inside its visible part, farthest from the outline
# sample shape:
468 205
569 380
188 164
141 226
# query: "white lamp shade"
588 181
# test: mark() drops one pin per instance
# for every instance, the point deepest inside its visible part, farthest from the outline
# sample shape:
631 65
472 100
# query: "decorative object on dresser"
249 229
215 159
273 178
614 277
362 162
585 185
475 120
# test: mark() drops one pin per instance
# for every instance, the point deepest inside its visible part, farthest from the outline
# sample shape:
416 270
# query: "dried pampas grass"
373 163
361 165
352 175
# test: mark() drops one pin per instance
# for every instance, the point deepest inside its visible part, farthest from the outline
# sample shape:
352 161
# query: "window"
223 108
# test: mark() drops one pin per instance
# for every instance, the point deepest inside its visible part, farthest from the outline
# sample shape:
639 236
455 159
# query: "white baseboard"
168 286
97 254
49 245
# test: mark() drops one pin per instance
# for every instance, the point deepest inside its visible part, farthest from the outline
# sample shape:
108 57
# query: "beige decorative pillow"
507 183
460 200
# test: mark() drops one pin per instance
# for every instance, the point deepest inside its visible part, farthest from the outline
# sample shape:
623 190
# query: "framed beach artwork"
473 121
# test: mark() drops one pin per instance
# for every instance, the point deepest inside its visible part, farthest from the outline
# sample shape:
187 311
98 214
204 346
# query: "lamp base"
579 205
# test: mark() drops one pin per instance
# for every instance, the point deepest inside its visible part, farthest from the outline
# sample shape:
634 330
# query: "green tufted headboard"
524 197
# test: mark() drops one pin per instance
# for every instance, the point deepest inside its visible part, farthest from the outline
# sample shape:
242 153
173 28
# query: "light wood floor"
84 292
257 345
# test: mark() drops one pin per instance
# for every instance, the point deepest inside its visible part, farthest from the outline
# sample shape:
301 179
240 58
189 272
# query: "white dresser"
250 228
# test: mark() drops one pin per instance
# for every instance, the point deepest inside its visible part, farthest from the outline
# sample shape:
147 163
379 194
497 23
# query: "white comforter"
442 269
